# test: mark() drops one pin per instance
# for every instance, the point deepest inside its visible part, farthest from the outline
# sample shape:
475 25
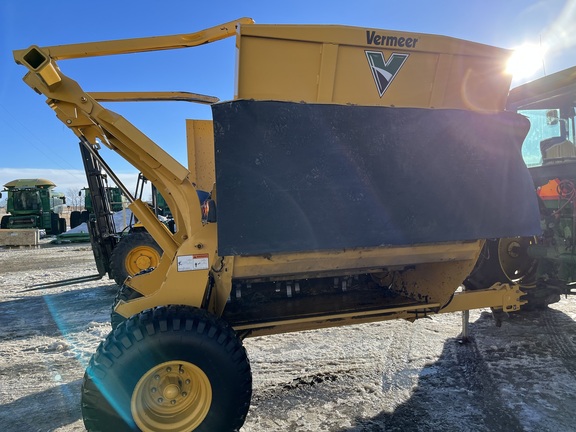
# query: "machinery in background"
123 252
544 265
32 203
114 196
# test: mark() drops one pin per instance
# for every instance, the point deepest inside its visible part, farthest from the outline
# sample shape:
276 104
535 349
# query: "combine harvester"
32 203
354 178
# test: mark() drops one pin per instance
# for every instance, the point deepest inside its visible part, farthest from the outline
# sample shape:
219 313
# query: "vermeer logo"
384 71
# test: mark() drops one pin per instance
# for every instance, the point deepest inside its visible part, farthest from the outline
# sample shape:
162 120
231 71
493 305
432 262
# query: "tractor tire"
4 222
507 261
54 225
61 225
134 253
75 219
539 298
168 369
503 260
84 216
125 293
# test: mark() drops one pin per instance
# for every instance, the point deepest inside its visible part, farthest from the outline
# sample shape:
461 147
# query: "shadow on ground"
36 412
49 314
514 378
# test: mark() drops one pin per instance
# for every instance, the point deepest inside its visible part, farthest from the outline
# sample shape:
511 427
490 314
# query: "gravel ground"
391 376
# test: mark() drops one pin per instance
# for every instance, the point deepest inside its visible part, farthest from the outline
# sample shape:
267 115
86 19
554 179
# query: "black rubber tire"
125 293
488 271
54 224
156 336
124 247
539 298
75 219
4 222
61 225
84 216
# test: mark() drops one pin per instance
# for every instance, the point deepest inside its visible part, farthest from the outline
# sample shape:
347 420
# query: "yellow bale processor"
353 178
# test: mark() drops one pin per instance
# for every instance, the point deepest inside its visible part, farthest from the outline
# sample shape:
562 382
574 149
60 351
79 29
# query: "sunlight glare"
525 61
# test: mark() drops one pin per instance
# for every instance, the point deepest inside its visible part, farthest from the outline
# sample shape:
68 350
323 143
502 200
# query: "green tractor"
32 203
545 265
114 196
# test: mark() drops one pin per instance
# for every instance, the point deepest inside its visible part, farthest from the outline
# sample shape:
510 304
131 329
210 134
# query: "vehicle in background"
544 265
114 196
32 203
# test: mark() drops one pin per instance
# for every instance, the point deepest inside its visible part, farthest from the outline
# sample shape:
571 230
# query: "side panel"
304 177
200 137
363 66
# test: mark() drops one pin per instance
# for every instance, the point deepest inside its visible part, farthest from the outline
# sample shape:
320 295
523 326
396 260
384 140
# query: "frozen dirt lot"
391 376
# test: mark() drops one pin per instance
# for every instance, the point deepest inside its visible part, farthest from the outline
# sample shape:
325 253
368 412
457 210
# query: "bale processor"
353 178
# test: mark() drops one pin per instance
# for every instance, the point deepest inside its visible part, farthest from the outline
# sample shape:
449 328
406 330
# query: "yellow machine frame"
437 270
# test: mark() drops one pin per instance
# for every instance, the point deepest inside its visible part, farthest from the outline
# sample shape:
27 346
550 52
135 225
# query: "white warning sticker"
193 262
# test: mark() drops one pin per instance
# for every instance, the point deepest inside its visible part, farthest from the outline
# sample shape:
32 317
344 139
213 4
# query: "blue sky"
35 144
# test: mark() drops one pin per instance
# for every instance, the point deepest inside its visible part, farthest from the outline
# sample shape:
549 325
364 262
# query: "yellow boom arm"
94 124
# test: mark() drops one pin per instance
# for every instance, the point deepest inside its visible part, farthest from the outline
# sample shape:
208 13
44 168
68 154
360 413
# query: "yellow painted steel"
152 97
141 258
136 45
327 263
502 297
200 137
194 241
173 396
310 63
328 64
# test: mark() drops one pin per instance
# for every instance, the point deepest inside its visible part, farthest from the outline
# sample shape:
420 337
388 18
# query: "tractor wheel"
506 261
168 369
4 222
75 219
539 297
135 252
84 216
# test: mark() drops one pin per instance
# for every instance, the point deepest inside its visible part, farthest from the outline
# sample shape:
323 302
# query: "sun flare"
526 60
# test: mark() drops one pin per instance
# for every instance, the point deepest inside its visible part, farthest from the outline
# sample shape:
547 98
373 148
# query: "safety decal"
193 262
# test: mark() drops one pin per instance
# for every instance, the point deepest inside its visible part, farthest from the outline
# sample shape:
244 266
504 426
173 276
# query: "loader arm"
94 125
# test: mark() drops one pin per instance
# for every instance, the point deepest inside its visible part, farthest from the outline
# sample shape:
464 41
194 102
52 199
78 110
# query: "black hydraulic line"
61 283
107 169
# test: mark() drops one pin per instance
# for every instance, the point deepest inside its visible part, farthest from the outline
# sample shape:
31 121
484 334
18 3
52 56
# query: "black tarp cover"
306 177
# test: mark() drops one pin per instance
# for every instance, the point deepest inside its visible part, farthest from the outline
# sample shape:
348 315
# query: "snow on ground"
390 376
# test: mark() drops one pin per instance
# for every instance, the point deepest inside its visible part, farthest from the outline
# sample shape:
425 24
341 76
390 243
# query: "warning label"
193 262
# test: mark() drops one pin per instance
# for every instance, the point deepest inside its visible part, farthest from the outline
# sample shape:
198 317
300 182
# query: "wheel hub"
514 260
143 262
141 258
173 396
